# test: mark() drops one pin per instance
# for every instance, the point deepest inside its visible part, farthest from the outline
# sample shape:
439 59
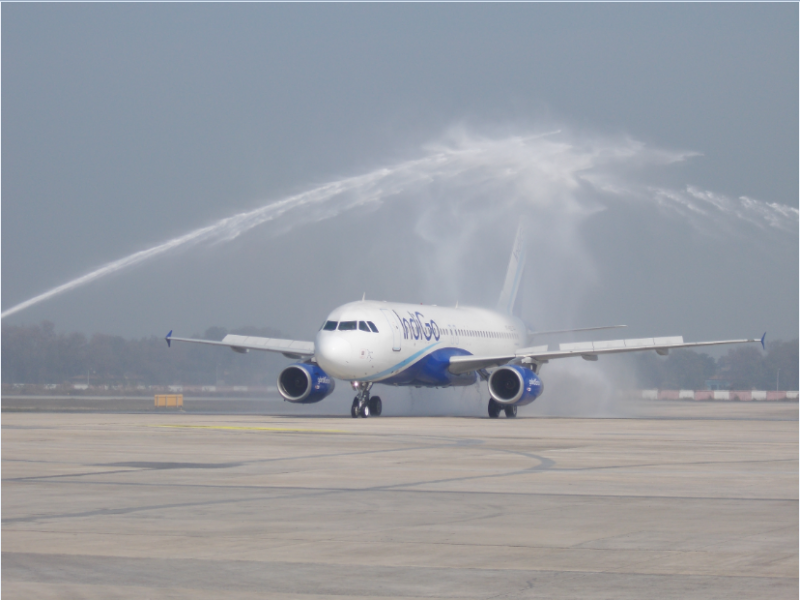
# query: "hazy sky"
651 148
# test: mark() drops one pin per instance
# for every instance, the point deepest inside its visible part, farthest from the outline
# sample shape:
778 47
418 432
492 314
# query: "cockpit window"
347 325
372 326
363 326
329 325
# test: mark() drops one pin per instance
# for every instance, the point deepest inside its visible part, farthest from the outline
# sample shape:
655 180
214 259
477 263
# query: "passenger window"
363 326
372 326
329 326
347 326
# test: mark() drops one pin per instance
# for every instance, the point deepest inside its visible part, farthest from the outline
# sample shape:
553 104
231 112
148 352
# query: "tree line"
741 368
37 354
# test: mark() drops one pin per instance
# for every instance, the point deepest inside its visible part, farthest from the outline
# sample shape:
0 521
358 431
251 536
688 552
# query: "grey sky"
125 125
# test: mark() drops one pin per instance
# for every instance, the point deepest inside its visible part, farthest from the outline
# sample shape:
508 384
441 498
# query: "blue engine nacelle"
515 385
304 383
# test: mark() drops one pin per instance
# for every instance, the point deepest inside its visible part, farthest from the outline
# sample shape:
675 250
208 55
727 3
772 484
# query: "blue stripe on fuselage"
431 370
399 366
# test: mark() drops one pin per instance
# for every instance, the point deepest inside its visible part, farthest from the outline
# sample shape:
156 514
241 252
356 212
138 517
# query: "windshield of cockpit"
367 326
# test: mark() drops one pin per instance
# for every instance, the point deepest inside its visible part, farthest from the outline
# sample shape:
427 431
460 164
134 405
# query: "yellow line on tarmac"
236 428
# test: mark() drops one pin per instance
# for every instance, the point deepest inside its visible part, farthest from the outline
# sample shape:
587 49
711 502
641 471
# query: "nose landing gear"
364 405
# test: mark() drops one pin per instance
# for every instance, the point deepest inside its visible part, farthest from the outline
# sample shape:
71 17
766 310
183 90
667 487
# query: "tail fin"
516 266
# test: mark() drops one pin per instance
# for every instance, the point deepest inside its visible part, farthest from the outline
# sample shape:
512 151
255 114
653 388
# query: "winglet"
763 347
169 339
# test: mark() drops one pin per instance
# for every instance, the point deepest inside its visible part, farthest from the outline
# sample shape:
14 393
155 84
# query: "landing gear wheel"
375 406
494 409
362 405
511 412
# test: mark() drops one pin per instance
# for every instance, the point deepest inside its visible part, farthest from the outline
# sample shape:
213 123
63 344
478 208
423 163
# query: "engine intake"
304 383
515 385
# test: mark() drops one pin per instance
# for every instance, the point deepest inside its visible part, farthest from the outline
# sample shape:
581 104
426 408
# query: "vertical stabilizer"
516 266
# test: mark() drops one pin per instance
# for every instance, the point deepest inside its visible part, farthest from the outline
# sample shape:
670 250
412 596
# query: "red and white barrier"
720 395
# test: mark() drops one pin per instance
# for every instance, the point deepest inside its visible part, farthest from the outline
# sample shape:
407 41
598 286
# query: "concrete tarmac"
693 501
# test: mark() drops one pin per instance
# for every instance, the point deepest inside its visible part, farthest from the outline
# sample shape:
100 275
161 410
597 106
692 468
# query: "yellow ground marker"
238 428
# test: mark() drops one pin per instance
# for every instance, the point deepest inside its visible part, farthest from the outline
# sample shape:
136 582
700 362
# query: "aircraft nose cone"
333 353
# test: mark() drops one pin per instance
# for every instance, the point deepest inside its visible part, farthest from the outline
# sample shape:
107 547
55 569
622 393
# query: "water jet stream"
537 171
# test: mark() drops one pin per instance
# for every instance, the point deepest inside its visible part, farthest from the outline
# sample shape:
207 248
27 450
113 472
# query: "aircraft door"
395 325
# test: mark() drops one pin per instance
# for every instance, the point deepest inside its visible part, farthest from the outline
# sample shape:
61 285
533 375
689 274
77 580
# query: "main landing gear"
495 408
363 404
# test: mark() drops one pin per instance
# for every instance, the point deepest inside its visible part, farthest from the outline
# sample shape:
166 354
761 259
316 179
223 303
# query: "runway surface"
692 501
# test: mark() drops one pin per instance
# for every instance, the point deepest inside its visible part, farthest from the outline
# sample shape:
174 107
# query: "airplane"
389 343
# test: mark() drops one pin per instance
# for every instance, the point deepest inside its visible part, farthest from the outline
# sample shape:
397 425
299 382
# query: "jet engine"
514 385
304 383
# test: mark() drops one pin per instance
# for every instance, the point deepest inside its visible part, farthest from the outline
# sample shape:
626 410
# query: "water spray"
537 172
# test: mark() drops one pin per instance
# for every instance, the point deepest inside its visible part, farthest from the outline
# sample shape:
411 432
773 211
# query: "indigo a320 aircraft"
371 342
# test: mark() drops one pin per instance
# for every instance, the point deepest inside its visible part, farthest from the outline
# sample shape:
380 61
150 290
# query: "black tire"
494 409
354 409
375 406
365 411
511 412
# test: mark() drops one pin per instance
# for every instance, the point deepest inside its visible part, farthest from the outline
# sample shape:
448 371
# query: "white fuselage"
412 343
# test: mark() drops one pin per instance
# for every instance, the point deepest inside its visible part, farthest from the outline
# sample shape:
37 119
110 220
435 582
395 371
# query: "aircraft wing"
245 343
586 350
465 364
